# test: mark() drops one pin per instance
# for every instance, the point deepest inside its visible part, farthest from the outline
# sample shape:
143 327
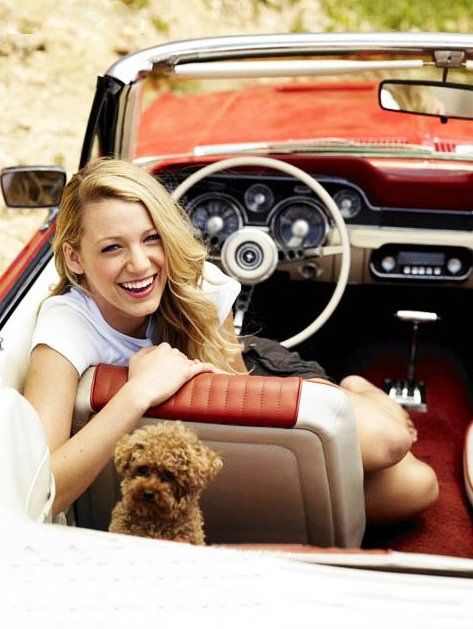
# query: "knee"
425 487
400 493
387 446
421 489
395 447
357 384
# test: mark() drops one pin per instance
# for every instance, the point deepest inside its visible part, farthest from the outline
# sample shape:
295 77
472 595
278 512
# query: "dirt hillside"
51 52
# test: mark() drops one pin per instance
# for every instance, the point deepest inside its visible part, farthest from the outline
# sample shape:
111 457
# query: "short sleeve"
67 332
220 289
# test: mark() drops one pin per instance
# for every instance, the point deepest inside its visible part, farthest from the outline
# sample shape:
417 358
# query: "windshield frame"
118 126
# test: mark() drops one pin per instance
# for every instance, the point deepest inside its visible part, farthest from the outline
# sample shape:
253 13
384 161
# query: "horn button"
250 255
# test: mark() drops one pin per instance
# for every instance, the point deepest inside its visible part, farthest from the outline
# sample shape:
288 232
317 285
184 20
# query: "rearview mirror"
33 186
429 98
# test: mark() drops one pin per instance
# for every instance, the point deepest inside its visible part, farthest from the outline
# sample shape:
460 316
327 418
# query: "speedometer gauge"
348 202
300 223
215 216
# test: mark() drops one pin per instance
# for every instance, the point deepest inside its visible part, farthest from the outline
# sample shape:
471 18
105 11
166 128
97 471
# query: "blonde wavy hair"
185 318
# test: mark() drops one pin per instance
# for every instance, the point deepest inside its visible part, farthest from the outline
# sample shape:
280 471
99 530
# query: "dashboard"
425 235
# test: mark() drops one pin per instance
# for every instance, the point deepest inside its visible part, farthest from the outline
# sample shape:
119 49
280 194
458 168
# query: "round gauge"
258 198
348 202
215 216
300 223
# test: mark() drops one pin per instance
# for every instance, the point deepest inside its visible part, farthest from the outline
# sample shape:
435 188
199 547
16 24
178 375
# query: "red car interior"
441 434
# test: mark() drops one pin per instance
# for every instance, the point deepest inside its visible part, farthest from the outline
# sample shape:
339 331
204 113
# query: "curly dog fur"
164 468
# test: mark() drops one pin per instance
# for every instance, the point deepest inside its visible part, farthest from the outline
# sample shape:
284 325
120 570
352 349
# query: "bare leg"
357 384
400 492
397 485
384 436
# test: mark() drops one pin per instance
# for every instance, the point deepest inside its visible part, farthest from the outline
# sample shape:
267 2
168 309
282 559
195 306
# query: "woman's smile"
138 289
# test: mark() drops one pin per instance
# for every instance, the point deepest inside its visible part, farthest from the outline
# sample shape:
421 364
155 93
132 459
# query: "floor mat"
447 527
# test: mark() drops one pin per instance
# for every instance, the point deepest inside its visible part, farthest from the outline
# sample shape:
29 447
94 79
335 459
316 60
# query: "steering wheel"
251 255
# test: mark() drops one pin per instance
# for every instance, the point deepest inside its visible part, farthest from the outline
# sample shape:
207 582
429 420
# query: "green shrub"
398 15
160 25
136 4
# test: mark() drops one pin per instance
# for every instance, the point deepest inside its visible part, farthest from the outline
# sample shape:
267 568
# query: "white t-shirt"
73 325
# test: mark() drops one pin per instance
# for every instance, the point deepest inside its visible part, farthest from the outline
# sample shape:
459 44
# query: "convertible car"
332 175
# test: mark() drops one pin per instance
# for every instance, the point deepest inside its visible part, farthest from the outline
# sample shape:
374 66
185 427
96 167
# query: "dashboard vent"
445 146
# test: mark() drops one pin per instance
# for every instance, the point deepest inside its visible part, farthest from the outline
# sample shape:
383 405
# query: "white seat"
17 332
27 486
300 484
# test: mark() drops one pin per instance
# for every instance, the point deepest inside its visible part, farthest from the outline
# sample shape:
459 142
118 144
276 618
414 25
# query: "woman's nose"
138 259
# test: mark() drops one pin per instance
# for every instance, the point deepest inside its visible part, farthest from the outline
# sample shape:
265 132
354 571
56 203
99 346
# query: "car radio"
421 262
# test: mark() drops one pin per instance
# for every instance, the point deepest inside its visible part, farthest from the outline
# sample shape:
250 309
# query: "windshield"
330 109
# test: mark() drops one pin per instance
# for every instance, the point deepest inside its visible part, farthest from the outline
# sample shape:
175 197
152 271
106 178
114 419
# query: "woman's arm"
51 385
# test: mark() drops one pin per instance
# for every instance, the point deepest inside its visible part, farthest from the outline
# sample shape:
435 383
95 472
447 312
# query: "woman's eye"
110 248
153 238
143 470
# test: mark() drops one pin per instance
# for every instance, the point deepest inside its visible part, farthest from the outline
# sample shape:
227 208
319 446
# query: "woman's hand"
156 373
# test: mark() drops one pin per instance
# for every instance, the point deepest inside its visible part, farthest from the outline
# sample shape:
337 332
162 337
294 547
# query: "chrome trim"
131 67
128 125
125 132
299 67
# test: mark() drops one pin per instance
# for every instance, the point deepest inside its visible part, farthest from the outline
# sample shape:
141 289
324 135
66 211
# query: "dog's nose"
148 494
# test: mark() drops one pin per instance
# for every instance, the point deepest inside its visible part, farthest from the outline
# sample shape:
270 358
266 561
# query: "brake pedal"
410 395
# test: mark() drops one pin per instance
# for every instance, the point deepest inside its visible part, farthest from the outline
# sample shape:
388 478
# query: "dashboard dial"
300 223
259 198
215 216
348 202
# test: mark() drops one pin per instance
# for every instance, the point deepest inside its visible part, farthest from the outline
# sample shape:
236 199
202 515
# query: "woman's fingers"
162 370
199 367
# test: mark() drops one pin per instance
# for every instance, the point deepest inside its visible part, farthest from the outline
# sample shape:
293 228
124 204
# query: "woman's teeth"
138 286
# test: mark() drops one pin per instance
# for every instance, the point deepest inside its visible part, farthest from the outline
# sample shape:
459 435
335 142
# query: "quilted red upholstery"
219 399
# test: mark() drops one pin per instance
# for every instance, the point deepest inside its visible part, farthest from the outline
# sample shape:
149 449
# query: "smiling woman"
134 290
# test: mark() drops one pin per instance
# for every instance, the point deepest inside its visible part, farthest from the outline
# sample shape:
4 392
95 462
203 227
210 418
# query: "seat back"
18 330
27 486
292 468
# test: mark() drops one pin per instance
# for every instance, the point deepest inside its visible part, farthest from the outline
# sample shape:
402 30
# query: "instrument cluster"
288 210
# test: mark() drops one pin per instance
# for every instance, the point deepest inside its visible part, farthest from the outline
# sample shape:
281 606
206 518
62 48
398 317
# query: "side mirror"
33 186
428 98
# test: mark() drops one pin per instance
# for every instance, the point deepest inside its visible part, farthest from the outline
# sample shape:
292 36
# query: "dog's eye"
167 477
142 470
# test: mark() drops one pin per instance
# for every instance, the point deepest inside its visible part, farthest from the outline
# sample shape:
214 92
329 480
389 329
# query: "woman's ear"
72 258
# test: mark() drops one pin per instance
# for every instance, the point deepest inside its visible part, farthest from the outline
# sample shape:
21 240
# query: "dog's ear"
125 448
206 465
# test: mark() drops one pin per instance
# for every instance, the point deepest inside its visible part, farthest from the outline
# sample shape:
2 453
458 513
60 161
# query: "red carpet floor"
447 527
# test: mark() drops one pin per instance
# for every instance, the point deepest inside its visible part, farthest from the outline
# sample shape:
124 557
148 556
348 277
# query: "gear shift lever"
408 392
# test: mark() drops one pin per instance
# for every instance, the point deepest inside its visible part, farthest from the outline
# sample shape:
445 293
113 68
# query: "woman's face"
122 259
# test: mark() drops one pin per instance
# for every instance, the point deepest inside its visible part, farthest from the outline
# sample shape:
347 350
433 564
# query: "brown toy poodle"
164 468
